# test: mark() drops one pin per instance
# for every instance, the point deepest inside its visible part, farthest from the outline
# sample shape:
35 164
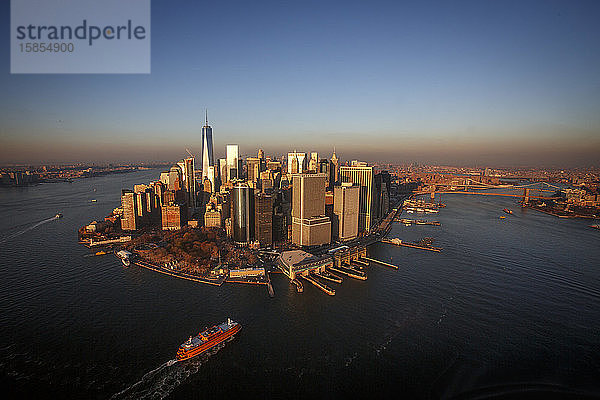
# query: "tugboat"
207 339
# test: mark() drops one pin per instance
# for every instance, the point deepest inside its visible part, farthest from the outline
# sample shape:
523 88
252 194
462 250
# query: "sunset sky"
463 82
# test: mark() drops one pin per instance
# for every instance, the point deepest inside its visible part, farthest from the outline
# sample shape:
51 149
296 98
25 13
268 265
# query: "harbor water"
509 307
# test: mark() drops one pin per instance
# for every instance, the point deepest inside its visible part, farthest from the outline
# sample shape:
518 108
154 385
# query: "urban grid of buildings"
262 201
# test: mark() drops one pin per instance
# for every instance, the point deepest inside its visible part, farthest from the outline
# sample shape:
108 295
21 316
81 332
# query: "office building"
207 149
253 167
263 219
128 203
174 216
334 170
362 176
188 180
313 163
212 219
242 213
222 171
296 163
232 162
346 204
310 225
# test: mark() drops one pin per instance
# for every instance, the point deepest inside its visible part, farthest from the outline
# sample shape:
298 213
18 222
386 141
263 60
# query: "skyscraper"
364 177
253 167
232 161
189 180
310 226
346 209
207 149
242 213
334 170
129 219
263 219
223 171
296 163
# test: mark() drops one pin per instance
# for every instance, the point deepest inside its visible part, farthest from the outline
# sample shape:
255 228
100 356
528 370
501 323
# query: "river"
509 306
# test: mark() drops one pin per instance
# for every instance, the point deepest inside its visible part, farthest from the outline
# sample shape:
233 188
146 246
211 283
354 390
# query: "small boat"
94 200
125 257
595 226
207 339
506 210
100 253
58 215
502 217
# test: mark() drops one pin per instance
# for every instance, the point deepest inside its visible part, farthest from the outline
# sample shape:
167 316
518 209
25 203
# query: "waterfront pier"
269 286
381 262
350 272
298 284
322 286
328 276
397 242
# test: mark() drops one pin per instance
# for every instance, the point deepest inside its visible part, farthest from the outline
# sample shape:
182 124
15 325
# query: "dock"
299 287
417 222
182 275
352 273
412 245
269 286
320 285
381 262
329 277
366 264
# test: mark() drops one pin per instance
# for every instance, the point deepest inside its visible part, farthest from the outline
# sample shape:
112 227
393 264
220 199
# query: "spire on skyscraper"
207 149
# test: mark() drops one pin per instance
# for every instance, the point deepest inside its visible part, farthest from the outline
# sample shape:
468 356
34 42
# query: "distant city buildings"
297 199
296 163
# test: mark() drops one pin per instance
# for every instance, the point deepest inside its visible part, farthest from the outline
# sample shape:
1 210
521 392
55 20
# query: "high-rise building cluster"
167 202
263 201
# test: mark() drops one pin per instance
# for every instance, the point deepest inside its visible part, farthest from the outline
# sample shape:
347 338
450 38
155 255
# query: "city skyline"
464 84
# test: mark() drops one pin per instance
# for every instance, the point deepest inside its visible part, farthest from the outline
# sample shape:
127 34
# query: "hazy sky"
451 82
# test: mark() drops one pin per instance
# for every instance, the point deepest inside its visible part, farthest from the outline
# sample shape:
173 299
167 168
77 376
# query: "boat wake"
161 381
22 231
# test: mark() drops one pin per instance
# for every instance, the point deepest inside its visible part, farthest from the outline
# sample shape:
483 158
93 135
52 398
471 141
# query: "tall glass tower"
207 149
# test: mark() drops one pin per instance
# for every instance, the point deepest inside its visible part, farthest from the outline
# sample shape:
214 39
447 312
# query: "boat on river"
207 339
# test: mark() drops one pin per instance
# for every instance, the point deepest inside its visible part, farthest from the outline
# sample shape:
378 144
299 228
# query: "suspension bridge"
471 187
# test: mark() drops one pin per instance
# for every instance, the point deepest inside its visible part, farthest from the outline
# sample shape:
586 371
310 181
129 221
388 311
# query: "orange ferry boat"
207 339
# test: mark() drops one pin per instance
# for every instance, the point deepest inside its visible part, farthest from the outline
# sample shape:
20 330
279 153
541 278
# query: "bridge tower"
525 195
